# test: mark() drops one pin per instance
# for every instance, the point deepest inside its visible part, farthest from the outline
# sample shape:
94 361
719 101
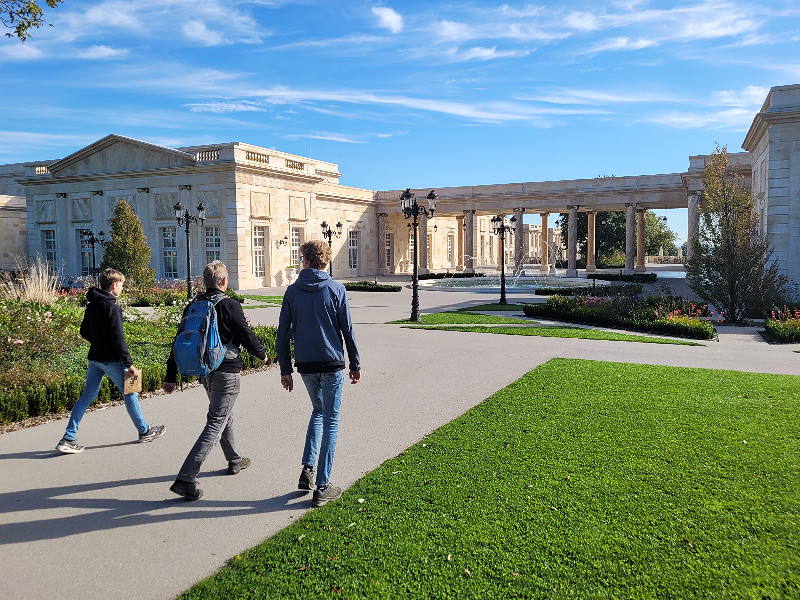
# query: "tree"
22 15
730 265
657 235
128 251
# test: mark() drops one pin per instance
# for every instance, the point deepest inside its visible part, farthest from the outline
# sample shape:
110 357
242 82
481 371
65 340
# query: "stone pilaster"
630 237
422 240
544 265
519 236
469 241
382 267
640 268
693 225
591 218
572 242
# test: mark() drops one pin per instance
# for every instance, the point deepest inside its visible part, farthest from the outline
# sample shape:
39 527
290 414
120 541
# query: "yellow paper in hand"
133 383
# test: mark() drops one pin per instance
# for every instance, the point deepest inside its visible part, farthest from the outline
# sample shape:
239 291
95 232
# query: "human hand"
287 383
134 371
168 387
355 376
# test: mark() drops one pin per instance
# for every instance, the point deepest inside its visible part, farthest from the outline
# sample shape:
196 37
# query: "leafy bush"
370 286
456 275
656 314
628 289
635 277
784 325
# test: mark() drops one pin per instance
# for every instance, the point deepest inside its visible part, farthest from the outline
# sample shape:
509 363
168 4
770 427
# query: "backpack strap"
231 348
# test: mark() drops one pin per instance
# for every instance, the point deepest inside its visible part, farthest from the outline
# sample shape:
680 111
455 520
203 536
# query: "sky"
419 94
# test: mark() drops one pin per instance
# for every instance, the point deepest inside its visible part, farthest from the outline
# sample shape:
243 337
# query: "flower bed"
784 325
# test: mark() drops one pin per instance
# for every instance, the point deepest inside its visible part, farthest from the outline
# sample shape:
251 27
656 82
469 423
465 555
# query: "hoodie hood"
95 294
312 280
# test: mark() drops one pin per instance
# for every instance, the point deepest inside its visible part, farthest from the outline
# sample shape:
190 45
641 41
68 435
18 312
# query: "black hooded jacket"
102 327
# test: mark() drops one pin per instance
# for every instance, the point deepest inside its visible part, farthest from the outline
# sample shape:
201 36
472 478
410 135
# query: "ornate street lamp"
328 234
500 228
184 218
408 203
89 238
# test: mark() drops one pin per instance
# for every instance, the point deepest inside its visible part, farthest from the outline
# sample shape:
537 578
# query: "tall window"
296 242
259 244
213 244
85 256
388 250
483 246
430 251
49 245
169 251
450 243
352 249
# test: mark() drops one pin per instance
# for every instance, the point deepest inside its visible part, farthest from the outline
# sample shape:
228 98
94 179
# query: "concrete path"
103 525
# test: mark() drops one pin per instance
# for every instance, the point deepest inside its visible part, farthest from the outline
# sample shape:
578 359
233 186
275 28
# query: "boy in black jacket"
108 355
222 385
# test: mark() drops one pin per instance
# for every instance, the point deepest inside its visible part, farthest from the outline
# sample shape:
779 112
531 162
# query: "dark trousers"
222 390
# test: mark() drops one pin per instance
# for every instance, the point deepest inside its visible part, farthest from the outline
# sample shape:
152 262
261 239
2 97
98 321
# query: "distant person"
108 355
316 315
221 385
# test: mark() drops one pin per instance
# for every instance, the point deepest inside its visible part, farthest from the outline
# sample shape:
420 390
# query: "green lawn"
493 307
455 317
268 300
565 332
580 480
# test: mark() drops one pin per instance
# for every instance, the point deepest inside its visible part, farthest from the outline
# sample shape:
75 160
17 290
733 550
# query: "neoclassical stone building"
261 204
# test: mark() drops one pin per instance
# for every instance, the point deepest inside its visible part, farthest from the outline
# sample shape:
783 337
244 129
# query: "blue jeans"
94 375
325 391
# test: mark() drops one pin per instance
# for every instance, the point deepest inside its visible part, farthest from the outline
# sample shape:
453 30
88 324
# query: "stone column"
519 234
590 245
630 238
381 267
423 244
459 249
544 264
640 268
694 221
572 242
469 241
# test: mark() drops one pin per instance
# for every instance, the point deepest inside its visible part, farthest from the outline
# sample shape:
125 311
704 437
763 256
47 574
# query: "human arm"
282 338
116 335
242 334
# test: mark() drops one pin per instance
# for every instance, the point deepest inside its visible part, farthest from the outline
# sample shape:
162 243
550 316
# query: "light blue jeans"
94 375
325 391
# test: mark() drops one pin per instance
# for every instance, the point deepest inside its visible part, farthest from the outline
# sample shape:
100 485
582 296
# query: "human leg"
222 390
314 430
116 373
94 375
326 392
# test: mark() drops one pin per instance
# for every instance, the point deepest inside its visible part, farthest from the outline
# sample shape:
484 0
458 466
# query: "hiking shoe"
66 446
152 433
190 491
235 467
306 479
325 494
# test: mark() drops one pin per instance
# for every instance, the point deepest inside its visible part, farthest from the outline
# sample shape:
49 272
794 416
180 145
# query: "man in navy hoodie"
108 355
316 315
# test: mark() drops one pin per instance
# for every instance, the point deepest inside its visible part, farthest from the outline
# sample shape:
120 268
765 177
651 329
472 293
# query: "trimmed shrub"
635 277
456 275
370 286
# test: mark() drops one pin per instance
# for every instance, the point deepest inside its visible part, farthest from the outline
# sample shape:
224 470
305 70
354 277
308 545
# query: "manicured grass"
580 480
272 300
567 332
492 307
452 317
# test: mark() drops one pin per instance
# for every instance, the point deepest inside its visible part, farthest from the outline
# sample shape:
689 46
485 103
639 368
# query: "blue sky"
406 94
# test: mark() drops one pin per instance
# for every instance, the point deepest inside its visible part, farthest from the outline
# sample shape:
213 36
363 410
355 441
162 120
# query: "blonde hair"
318 254
109 277
214 273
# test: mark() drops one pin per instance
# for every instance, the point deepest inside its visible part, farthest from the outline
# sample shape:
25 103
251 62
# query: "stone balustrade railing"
257 157
207 155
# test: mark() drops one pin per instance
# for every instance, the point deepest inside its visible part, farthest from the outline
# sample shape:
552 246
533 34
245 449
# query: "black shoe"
235 467
152 433
306 479
190 491
325 494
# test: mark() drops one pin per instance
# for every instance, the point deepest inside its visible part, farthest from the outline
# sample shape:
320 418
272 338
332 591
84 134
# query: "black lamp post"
88 235
499 226
328 234
408 202
184 218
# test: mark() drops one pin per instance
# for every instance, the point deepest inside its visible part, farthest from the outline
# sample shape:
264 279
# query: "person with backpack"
316 315
108 355
227 321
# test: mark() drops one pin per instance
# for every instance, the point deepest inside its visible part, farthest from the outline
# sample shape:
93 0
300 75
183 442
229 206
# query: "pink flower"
17 342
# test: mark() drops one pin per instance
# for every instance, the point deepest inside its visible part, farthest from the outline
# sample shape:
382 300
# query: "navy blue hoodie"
316 315
102 327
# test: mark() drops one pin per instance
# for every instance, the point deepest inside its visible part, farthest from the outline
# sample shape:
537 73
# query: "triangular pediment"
116 154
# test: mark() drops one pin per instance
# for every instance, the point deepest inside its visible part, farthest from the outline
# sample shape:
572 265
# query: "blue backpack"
198 348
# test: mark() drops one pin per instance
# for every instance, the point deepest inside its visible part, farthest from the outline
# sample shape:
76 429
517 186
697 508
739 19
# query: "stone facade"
13 221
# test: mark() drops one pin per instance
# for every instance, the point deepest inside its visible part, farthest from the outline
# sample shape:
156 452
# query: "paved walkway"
103 525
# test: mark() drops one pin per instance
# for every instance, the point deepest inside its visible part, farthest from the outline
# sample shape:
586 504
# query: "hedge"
17 404
635 277
370 286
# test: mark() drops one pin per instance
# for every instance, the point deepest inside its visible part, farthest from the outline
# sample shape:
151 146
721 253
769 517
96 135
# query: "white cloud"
751 97
14 51
594 97
225 107
330 137
101 52
737 119
197 30
479 53
621 43
388 18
